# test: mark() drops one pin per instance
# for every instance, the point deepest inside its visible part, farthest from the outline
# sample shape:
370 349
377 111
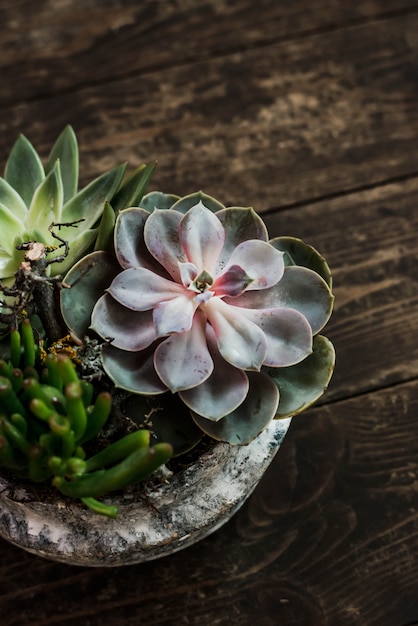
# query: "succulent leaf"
158 200
47 201
250 418
240 224
24 170
65 150
77 302
10 199
187 202
88 203
128 330
132 371
105 232
133 188
297 252
10 224
301 385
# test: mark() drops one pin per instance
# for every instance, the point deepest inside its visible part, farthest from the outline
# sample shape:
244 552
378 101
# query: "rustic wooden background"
306 110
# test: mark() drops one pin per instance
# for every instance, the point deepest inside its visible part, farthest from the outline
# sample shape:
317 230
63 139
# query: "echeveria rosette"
33 196
206 307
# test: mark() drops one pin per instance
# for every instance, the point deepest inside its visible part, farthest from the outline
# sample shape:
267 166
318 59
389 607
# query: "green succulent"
33 197
48 414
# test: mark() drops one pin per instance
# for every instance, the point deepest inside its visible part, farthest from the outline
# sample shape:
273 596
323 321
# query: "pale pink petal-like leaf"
176 315
140 289
188 273
261 261
162 240
301 289
202 237
126 329
183 360
251 417
232 282
224 390
132 371
241 224
130 247
241 342
288 334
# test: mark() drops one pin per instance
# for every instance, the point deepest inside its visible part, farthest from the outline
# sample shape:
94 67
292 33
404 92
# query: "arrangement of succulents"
177 316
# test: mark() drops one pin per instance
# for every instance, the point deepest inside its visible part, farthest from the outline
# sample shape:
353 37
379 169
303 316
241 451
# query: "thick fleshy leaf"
65 150
183 360
301 289
188 273
47 202
24 170
250 418
261 261
88 204
202 236
175 315
297 252
10 227
8 265
187 202
241 342
105 231
132 371
224 390
130 247
88 280
125 329
166 417
232 282
302 384
158 200
11 199
140 289
288 334
162 240
240 224
133 188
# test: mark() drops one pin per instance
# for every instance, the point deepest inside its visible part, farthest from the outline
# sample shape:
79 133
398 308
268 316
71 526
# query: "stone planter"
177 514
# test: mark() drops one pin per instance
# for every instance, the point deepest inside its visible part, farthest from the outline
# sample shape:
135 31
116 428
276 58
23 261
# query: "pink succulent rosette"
205 307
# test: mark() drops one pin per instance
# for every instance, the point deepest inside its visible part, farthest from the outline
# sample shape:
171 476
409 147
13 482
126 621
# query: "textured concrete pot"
193 504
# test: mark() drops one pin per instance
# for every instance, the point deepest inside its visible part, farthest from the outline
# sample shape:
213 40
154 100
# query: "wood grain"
275 126
53 46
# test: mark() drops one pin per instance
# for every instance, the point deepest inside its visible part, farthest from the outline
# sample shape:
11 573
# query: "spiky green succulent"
198 302
47 415
34 196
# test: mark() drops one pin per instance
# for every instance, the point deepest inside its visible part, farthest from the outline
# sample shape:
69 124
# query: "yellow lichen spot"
67 347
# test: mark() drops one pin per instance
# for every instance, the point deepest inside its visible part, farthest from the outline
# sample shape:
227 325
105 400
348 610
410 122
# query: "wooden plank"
327 537
52 45
370 242
271 127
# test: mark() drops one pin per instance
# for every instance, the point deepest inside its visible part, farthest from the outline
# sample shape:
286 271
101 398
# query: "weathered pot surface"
190 506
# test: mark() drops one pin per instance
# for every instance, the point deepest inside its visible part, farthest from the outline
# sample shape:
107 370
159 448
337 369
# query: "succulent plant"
199 303
33 197
48 414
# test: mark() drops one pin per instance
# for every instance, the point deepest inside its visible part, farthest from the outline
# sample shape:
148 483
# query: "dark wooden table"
307 110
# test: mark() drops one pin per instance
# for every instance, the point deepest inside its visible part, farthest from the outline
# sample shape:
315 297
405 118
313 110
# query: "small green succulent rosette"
34 197
193 299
